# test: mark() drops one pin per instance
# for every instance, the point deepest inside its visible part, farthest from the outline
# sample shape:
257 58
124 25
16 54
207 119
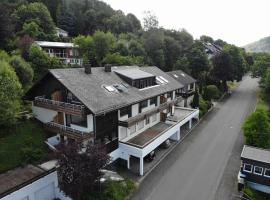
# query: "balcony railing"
67 131
187 93
133 120
67 108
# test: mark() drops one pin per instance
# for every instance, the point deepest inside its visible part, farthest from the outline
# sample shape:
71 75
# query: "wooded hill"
263 45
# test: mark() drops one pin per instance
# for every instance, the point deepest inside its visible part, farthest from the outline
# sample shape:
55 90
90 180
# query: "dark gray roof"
256 154
89 88
17 177
134 73
182 77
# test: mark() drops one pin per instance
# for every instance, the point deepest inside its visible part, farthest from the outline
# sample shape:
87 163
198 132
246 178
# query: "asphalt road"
197 169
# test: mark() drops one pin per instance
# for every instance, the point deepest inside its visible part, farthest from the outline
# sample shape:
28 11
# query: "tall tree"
36 12
10 94
150 21
80 171
257 129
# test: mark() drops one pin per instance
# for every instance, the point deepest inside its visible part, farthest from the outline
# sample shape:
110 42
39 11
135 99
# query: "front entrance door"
59 118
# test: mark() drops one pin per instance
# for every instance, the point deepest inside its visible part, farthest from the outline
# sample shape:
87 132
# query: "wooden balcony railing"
67 108
67 131
133 120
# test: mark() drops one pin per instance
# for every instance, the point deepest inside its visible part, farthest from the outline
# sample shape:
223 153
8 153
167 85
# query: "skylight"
164 79
183 74
160 80
175 76
110 88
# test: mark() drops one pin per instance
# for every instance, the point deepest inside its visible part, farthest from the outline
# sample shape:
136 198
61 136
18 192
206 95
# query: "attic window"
183 74
120 87
175 76
110 88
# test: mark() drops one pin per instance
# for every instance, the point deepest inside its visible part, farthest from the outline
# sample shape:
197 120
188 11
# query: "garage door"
46 193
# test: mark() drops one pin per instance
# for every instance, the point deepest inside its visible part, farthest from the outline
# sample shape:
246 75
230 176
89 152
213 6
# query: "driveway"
205 165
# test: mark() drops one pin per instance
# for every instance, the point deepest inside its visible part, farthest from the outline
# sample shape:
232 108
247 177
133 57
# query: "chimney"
108 68
87 68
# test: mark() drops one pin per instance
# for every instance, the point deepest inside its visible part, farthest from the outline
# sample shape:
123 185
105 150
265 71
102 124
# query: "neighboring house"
31 183
61 33
189 83
130 110
211 49
255 169
67 52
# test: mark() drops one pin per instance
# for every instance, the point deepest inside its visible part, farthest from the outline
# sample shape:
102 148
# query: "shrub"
211 92
118 190
30 153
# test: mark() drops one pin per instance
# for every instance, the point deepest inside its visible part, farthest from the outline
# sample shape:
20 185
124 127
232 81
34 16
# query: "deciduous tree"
80 171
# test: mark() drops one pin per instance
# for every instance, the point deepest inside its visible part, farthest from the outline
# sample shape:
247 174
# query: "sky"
238 22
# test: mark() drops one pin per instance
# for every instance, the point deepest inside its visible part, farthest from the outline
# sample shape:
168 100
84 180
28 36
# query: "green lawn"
12 143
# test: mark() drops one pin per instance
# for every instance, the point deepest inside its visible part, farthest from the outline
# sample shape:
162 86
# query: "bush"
204 106
251 194
211 92
118 190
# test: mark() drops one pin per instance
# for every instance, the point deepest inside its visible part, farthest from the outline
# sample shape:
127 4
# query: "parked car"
150 157
166 144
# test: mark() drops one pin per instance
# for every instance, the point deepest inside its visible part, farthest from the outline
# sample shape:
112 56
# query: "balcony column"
128 162
141 166
190 123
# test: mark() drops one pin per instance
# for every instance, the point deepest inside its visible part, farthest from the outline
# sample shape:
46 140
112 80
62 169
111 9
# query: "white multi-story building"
131 110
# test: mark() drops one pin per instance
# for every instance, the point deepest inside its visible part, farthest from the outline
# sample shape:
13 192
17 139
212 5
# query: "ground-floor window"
140 125
248 168
267 172
154 117
258 170
132 129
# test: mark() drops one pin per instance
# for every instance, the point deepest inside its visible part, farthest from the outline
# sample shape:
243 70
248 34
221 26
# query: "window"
153 101
258 170
125 111
169 95
267 172
248 168
164 79
142 105
110 88
140 125
147 121
154 117
132 129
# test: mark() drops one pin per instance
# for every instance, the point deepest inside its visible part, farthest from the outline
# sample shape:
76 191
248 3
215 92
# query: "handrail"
59 103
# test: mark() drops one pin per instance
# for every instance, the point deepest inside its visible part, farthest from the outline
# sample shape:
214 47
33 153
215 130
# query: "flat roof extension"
256 154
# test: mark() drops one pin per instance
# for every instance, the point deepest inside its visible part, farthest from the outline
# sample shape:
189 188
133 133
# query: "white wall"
44 115
37 186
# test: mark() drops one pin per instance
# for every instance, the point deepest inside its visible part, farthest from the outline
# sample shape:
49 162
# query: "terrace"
147 141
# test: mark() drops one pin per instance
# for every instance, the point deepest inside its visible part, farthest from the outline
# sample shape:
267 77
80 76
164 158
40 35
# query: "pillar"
141 166
190 123
128 162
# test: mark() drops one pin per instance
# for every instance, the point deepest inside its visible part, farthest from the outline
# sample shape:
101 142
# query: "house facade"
255 169
188 91
67 52
130 110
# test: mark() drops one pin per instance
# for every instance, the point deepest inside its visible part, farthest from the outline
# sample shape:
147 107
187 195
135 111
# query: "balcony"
133 120
186 94
67 108
67 131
